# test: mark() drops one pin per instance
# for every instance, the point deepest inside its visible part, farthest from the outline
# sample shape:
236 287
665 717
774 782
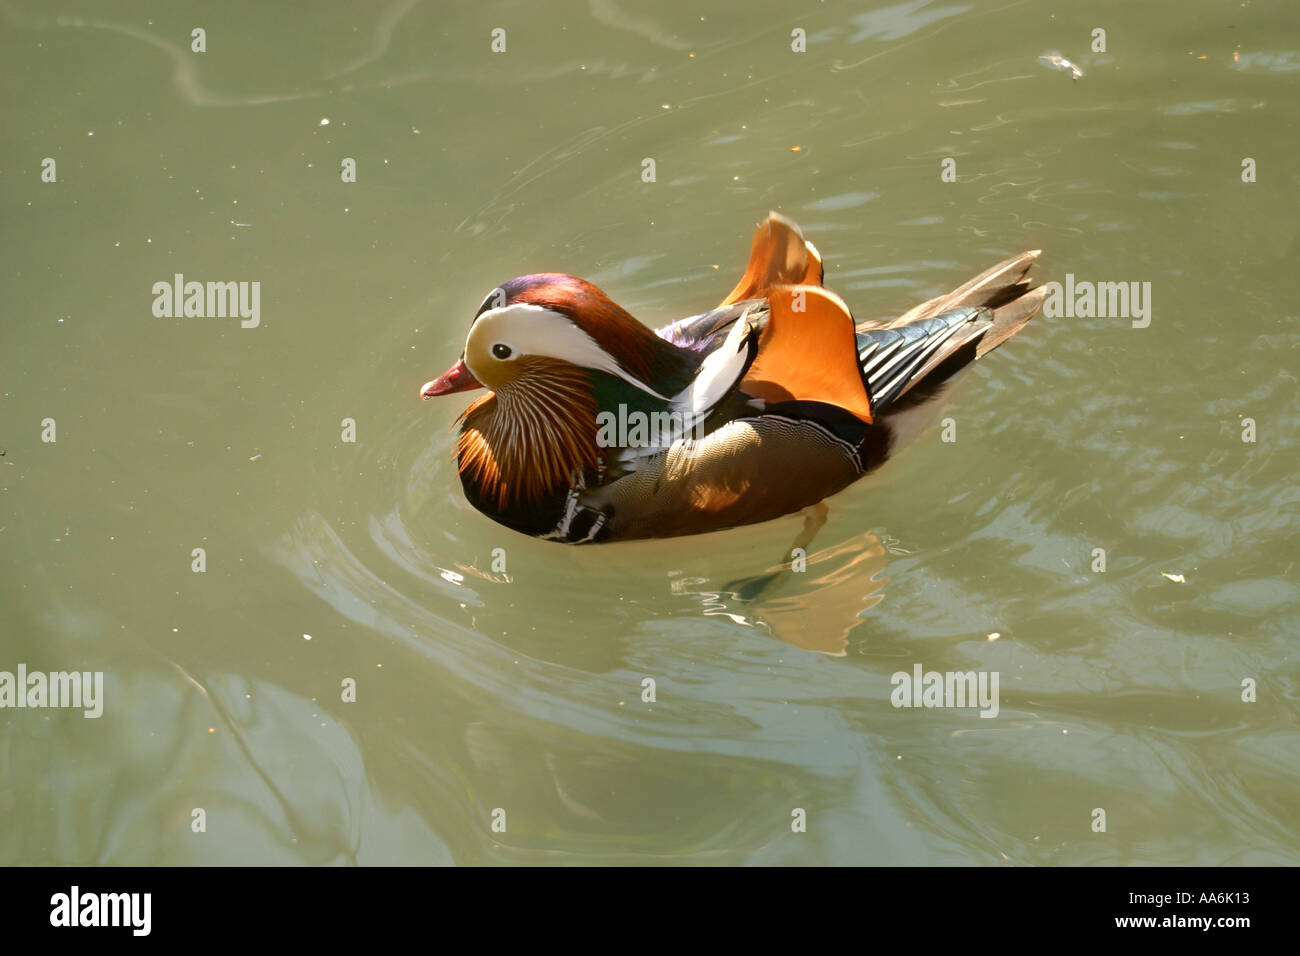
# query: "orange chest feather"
525 444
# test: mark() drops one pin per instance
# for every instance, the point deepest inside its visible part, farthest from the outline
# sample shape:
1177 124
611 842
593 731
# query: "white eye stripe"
536 330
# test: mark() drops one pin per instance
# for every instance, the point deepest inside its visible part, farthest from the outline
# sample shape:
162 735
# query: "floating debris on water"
1175 577
1054 61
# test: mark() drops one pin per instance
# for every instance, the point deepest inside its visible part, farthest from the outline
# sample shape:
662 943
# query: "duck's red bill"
455 379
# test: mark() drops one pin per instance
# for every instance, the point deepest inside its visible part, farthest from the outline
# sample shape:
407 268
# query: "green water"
479 688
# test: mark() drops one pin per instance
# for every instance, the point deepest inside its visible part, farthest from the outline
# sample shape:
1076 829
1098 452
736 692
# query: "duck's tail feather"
996 287
940 336
1010 318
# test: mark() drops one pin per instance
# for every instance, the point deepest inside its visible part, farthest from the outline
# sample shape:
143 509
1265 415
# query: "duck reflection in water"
814 608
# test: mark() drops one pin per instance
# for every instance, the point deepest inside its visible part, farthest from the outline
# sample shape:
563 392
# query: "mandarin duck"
597 428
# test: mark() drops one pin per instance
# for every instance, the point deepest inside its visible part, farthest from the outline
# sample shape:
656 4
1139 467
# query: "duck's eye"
501 351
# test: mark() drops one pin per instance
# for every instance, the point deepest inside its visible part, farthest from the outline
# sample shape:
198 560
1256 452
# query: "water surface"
481 687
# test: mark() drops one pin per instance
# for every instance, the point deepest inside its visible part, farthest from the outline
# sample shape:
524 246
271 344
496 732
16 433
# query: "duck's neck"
530 440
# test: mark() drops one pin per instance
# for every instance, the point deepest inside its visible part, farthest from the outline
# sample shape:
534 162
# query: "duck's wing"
807 352
810 349
801 343
805 349
795 349
778 255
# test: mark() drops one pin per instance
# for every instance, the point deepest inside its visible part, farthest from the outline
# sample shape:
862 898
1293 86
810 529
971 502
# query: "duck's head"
546 345
541 326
